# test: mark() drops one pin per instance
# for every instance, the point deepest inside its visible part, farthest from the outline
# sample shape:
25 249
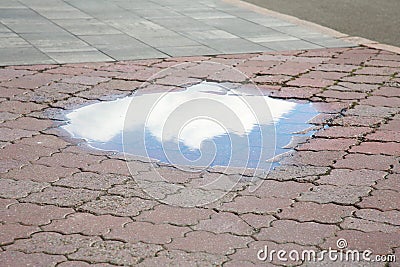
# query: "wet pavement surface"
66 204
71 31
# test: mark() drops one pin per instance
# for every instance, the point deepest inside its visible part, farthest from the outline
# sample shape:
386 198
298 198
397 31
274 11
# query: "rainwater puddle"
206 124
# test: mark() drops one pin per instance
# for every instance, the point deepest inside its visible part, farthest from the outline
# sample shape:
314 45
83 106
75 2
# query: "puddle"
206 124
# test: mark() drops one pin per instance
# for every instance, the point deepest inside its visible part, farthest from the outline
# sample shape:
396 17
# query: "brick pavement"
67 205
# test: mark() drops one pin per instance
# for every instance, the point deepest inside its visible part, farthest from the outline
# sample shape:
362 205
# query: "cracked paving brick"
382 200
63 88
39 173
9 74
342 95
10 232
24 153
91 180
45 140
202 241
159 190
86 223
120 85
11 258
386 71
257 221
343 132
354 87
387 91
381 101
69 160
102 94
72 103
352 177
224 222
322 144
296 92
17 189
376 148
390 217
119 206
391 182
32 81
252 204
357 121
288 189
174 175
369 111
272 79
163 214
115 252
147 232
305 233
319 83
362 161
310 211
384 136
30 124
19 107
382 63
8 116
367 226
128 190
313 158
336 67
329 75
297 173
344 194
193 197
366 79
61 196
52 243
118 167
32 214
377 242
182 258
41 97
7 134
85 80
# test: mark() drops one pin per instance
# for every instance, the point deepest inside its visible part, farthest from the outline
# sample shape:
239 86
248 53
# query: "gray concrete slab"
68 31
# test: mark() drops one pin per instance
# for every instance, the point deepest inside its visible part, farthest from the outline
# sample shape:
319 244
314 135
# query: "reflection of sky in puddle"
204 125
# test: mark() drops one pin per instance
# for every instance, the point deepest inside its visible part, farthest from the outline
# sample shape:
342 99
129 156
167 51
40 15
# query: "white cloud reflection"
203 111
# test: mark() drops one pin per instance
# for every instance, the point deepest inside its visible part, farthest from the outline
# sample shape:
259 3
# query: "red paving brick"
66 204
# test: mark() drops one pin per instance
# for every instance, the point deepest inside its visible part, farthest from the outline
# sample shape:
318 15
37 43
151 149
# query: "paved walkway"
70 31
67 205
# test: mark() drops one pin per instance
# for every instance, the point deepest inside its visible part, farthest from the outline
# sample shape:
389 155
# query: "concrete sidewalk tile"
208 35
86 26
189 50
235 45
78 56
23 55
168 41
10 42
290 45
51 13
272 38
132 53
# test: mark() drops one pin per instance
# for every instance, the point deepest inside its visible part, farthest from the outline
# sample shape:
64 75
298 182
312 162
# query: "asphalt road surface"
377 20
